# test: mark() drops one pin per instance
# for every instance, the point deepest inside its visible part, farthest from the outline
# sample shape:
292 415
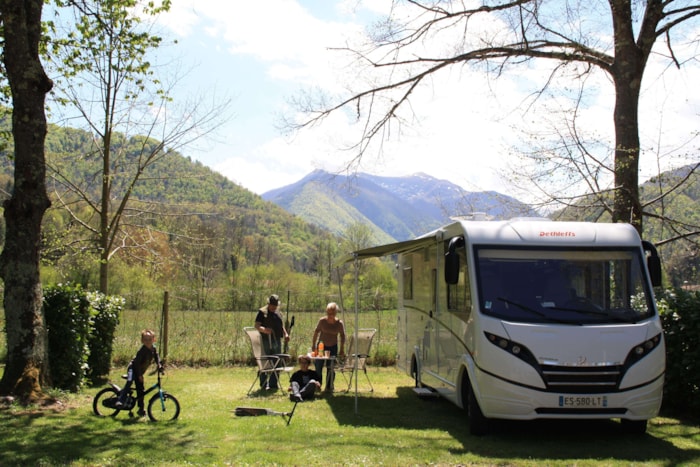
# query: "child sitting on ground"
304 382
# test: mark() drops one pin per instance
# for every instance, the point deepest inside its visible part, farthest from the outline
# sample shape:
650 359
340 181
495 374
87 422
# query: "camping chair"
357 357
267 364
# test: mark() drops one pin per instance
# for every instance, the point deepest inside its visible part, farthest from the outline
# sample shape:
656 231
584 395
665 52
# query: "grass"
391 427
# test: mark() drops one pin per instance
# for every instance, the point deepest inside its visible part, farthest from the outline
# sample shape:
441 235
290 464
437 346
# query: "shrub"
106 313
80 328
67 312
680 315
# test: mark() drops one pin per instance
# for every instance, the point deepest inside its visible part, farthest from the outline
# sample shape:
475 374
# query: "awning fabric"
388 249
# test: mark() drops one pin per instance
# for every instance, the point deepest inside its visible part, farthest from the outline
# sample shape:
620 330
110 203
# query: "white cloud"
462 126
283 34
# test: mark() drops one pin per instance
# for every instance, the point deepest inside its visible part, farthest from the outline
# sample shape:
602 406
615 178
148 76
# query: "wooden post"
164 337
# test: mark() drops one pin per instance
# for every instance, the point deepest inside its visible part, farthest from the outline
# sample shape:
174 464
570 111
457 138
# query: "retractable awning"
388 249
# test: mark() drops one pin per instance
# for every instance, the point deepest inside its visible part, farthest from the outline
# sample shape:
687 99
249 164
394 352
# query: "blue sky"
263 54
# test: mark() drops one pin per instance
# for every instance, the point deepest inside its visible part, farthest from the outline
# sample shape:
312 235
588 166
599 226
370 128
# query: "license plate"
583 402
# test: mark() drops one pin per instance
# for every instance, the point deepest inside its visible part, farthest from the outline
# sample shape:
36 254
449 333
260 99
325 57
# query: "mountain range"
291 225
395 208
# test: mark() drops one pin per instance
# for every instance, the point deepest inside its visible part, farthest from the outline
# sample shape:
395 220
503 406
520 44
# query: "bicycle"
161 407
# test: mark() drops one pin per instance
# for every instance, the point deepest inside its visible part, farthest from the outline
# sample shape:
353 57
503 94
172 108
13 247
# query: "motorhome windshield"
577 287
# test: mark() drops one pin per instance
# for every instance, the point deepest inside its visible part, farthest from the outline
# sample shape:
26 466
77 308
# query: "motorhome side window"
407 283
459 295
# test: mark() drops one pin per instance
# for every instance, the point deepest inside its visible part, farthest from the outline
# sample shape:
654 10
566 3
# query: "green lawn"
391 427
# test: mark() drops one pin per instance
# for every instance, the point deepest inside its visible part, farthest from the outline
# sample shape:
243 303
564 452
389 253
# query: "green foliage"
101 338
376 284
67 311
191 223
81 327
108 41
675 216
211 243
102 48
680 314
134 284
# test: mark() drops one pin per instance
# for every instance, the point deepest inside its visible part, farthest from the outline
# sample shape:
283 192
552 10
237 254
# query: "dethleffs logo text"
557 234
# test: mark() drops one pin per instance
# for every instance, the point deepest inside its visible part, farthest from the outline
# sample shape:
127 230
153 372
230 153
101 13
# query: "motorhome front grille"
585 380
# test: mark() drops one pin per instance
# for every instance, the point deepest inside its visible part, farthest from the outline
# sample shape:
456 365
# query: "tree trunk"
105 202
27 360
627 207
627 72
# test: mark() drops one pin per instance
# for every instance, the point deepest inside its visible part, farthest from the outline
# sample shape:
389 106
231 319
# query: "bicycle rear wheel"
162 410
103 403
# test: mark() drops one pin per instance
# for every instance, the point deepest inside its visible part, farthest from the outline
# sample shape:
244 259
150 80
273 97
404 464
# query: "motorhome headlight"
499 341
640 351
514 348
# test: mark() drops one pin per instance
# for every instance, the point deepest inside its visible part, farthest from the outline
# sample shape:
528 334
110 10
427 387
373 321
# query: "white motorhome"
531 318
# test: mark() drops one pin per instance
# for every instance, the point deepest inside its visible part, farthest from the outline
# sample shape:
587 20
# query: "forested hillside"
673 224
187 229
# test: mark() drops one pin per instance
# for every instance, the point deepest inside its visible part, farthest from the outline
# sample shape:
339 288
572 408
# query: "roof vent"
474 216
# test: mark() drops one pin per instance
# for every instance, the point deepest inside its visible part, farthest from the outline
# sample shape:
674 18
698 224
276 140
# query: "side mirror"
452 261
653 263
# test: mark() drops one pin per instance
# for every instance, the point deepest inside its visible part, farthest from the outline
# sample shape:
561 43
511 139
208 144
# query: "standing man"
270 324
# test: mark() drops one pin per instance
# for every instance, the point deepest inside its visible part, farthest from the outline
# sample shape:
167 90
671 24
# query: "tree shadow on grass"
28 441
532 440
263 393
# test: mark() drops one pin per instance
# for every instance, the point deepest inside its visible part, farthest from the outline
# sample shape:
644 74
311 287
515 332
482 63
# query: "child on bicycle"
137 368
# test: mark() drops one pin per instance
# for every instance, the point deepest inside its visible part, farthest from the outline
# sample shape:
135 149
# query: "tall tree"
102 58
408 45
27 361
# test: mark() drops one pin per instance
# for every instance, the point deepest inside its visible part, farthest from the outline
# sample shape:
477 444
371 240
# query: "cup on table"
327 353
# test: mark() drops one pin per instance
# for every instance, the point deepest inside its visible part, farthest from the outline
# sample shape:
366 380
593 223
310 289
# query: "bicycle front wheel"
163 408
103 403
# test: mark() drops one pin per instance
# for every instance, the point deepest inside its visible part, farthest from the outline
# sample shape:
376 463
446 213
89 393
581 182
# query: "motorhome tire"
414 373
478 424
